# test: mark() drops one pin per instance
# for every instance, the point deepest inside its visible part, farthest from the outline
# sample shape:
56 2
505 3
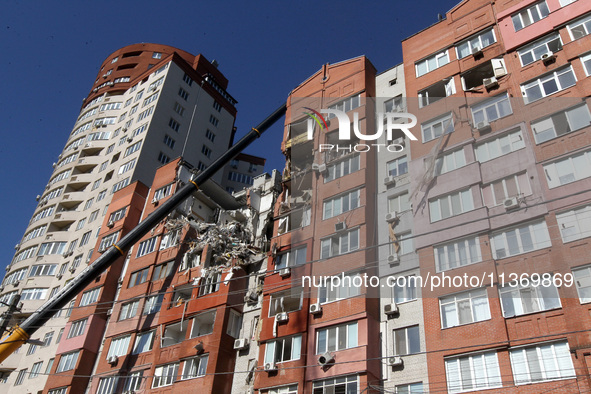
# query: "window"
341 243
561 123
580 28
133 382
398 203
575 224
343 336
402 244
146 247
138 277
25 254
49 366
128 310
209 135
147 101
108 241
43 214
436 92
162 192
202 324
183 93
132 148
521 239
187 79
77 328
213 120
174 333
284 349
59 335
15 276
217 106
464 308
120 185
474 372
568 170
530 15
475 43
291 258
161 271
450 161
534 51
457 254
107 385
153 303
238 177
517 299
437 127
206 151
345 105
162 158
412 388
137 131
344 384
43 269
194 367
497 192
101 195
90 296
548 84
117 215
285 301
34 294
178 109
397 167
165 375
406 292
491 110
36 232
70 308
67 361
119 346
126 167
6 298
143 342
451 205
144 114
347 289
542 362
342 168
407 341
582 278
169 141
138 96
431 63
210 283
20 377
341 204
61 390
170 239
500 146
173 124
32 349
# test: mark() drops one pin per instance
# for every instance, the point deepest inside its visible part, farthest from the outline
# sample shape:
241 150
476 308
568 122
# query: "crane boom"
20 334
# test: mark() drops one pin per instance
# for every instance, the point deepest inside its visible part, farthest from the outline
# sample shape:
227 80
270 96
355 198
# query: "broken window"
179 296
285 301
210 283
203 324
174 333
436 92
483 74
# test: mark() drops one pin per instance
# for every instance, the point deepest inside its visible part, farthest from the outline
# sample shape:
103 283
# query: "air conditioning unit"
340 226
322 168
395 361
325 358
483 126
240 344
548 58
155 201
17 246
391 217
88 145
76 147
400 141
1 288
110 224
102 250
109 311
390 181
391 309
393 259
251 298
285 272
511 203
72 269
199 347
129 139
15 284
112 359
476 52
282 317
124 129
270 367
490 83
315 309
58 276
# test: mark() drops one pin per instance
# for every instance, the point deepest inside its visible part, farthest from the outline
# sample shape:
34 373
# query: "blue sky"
51 52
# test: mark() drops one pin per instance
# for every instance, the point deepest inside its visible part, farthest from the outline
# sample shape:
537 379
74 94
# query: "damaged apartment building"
174 309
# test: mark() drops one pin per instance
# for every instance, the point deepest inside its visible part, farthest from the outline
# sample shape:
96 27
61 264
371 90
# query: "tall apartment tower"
320 339
150 103
502 193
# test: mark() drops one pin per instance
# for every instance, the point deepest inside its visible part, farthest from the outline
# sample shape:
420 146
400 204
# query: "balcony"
65 217
78 181
300 139
70 200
